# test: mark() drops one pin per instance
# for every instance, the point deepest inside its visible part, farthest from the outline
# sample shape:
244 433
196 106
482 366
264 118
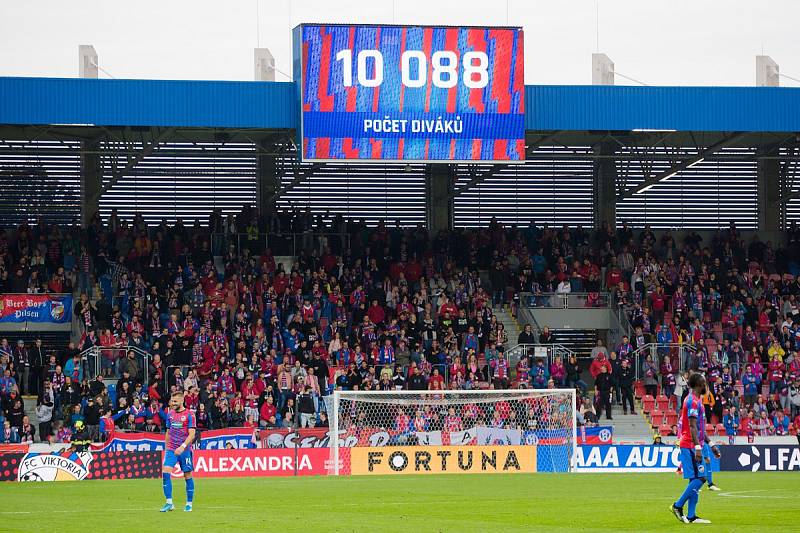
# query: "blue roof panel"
272 105
218 104
588 107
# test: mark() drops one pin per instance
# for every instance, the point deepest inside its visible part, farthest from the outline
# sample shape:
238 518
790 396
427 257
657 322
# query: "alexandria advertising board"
410 93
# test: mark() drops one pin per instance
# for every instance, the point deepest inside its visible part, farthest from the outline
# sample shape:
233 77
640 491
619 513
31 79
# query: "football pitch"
522 502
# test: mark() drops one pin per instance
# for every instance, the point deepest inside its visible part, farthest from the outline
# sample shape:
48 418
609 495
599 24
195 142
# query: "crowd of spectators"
726 308
257 342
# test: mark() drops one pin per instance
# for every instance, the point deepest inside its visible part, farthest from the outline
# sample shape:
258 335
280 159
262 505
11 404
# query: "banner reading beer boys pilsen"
410 93
52 308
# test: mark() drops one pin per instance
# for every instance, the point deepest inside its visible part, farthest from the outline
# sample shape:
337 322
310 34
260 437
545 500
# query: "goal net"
454 431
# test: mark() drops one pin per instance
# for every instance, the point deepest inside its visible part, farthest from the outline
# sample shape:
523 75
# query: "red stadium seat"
657 419
648 403
664 430
671 418
639 389
663 403
720 429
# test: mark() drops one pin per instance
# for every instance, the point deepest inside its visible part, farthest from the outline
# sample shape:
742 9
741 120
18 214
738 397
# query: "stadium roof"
272 105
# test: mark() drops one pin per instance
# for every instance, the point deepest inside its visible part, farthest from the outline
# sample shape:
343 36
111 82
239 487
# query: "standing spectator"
602 386
22 362
539 375
599 349
574 374
417 381
667 378
558 372
527 336
44 413
731 422
498 279
38 360
751 383
616 367
599 362
650 373
626 379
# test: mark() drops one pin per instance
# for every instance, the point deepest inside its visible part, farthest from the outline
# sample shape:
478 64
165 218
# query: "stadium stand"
380 308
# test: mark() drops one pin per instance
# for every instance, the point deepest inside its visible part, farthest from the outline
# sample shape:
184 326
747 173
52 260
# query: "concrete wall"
569 318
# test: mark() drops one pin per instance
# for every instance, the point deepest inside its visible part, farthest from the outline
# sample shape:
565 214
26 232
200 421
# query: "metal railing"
620 324
93 359
680 356
547 352
566 300
280 243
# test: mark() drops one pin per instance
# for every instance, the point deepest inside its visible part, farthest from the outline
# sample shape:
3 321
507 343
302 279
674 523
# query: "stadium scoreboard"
410 93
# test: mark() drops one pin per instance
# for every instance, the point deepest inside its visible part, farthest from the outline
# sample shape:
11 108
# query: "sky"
667 42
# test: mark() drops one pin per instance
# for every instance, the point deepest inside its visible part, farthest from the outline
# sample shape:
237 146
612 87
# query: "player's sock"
167 483
693 498
693 485
709 475
189 490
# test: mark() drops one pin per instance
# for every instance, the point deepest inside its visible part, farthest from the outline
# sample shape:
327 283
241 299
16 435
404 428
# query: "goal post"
452 431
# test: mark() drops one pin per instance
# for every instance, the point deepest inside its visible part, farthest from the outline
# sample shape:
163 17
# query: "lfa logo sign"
769 458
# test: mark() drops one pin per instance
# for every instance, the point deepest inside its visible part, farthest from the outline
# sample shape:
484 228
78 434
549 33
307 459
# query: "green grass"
522 502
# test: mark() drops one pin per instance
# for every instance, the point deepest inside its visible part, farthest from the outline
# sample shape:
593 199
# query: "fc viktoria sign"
65 466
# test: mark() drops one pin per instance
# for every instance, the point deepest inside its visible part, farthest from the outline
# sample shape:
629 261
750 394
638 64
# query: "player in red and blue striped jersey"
181 428
691 439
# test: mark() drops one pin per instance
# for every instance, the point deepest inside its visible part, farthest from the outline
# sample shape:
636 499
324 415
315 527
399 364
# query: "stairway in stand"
510 323
579 341
628 428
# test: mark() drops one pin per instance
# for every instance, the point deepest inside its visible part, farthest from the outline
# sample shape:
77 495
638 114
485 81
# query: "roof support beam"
477 179
146 151
679 167
299 177
785 184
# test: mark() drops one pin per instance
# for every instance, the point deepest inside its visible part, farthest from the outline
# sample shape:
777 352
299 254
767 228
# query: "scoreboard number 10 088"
414 68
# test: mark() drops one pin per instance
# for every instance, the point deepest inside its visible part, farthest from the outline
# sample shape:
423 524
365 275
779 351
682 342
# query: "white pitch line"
118 510
749 494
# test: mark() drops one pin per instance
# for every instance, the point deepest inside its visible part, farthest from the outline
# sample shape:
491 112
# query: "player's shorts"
707 451
184 459
692 469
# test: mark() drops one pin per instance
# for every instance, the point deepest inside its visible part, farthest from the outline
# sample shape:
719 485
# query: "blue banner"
219 439
215 439
46 308
595 435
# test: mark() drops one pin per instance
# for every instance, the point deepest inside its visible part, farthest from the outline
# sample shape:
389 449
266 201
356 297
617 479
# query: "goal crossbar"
440 399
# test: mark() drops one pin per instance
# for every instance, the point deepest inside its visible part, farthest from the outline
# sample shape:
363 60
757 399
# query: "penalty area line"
749 494
117 510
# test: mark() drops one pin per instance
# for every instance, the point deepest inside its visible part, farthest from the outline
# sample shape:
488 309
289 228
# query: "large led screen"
410 93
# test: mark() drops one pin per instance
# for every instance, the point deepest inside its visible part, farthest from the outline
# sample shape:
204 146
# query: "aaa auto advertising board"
631 459
261 462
